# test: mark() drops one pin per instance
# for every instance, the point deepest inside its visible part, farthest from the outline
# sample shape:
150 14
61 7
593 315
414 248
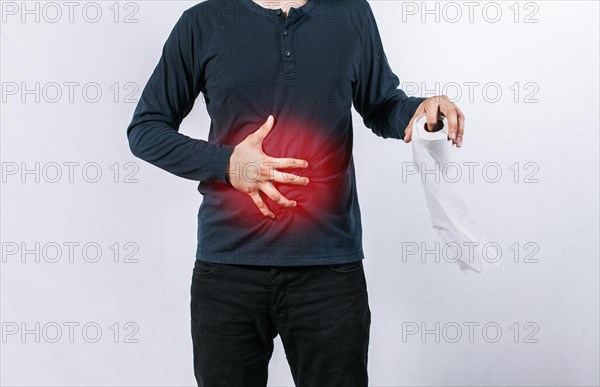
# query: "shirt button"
277 12
285 31
287 53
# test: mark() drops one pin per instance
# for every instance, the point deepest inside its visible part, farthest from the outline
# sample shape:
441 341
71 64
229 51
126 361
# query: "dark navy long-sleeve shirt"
307 69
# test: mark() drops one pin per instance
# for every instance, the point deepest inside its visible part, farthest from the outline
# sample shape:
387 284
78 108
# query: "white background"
552 304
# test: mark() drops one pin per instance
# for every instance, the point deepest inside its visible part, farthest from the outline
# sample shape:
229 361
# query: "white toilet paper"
449 214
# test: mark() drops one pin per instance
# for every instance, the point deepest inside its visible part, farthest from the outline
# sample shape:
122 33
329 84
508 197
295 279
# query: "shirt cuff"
406 113
221 163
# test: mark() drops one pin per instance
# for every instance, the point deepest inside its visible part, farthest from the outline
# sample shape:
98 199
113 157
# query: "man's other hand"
433 107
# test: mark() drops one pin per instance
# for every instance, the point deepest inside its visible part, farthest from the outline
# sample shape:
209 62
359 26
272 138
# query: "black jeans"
321 313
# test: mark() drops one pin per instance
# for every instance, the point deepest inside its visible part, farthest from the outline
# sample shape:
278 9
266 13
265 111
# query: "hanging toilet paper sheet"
449 214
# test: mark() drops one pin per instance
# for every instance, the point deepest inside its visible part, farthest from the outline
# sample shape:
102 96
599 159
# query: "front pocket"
346 267
203 268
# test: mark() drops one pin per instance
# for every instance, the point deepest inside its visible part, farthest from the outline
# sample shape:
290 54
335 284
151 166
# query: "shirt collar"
303 10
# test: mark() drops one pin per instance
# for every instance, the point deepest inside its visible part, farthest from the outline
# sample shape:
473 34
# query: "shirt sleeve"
166 100
385 108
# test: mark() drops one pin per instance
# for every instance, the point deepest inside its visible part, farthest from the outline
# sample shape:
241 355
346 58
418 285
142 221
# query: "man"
279 233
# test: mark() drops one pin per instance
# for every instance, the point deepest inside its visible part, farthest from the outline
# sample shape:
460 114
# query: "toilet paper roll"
449 214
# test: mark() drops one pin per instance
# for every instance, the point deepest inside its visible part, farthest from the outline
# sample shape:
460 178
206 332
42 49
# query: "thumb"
408 133
264 130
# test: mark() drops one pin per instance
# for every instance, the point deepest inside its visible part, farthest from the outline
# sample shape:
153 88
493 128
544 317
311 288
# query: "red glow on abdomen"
328 156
